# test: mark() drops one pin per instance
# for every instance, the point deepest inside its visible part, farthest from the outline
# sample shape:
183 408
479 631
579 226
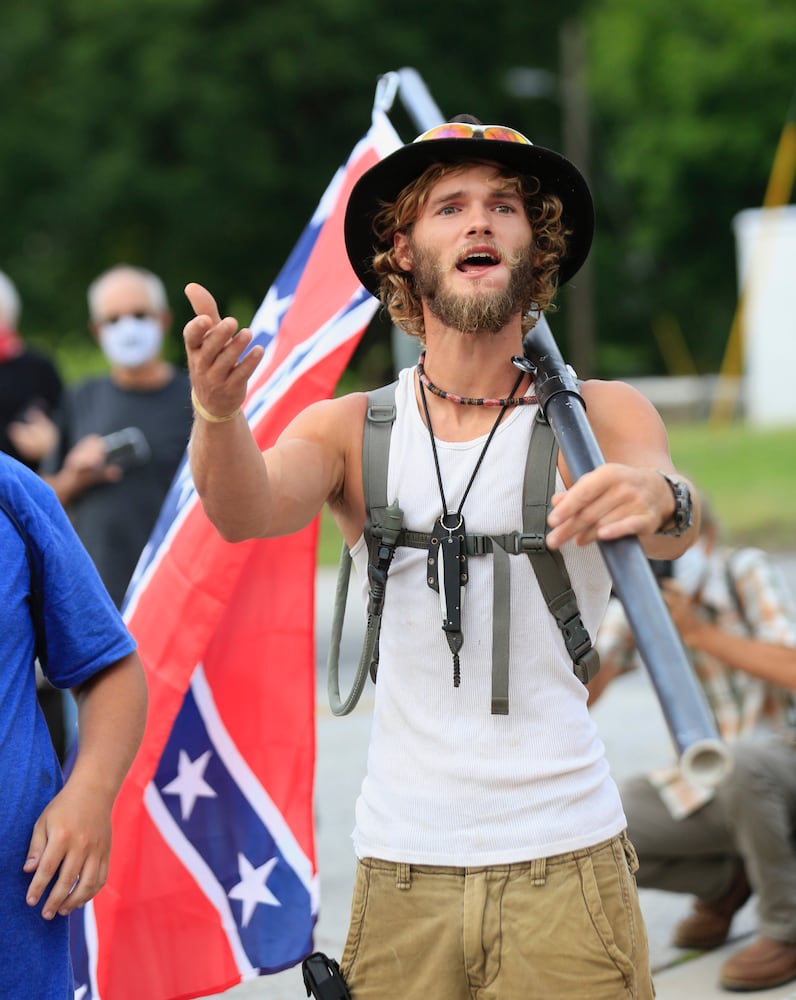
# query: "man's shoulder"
101 390
611 391
176 391
350 407
26 493
15 476
619 407
757 581
180 379
743 559
33 359
93 385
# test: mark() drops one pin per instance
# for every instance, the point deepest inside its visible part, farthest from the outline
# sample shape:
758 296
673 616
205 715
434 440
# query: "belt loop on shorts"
538 871
403 876
630 852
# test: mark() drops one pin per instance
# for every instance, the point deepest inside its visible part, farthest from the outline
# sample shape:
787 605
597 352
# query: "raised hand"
214 348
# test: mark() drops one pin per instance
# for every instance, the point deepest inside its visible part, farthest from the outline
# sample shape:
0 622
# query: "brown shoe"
764 964
708 924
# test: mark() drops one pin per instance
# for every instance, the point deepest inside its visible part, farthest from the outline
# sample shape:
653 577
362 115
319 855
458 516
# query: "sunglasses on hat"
464 130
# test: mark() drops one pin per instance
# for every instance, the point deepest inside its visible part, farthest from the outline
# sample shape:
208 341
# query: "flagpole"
417 100
415 97
425 114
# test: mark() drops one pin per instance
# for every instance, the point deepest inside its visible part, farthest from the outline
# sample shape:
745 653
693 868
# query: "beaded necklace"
469 400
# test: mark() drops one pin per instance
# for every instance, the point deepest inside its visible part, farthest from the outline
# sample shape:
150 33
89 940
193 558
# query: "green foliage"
689 102
748 474
195 137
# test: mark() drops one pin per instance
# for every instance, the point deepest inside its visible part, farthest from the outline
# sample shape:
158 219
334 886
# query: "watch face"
683 509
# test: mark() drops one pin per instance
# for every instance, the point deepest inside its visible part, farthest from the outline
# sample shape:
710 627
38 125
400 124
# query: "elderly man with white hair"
113 497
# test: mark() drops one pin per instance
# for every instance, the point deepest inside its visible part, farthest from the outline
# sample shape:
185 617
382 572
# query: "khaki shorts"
562 927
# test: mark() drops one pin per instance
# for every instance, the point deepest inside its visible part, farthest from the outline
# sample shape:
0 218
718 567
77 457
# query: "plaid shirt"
743 593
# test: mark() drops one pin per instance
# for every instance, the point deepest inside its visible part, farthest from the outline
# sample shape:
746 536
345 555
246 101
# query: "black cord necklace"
447 550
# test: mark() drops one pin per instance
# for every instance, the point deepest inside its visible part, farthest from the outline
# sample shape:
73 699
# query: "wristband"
683 516
211 418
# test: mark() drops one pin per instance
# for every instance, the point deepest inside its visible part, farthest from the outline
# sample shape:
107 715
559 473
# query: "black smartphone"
127 448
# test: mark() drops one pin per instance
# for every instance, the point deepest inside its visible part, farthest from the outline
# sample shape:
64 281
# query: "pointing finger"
202 302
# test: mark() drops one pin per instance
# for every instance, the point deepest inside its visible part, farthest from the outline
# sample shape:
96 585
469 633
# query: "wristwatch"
683 516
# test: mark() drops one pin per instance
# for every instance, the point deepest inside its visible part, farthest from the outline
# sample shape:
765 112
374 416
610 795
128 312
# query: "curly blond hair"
397 291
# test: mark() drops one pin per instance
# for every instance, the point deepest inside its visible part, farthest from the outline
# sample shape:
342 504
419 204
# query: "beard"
484 310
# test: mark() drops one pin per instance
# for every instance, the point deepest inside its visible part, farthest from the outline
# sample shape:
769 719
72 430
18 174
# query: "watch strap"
683 516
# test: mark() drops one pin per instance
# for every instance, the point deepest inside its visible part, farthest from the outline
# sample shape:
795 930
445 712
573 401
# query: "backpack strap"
732 587
551 571
36 602
382 529
379 419
384 533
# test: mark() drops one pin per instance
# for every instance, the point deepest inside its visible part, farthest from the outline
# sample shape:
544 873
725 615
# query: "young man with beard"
491 849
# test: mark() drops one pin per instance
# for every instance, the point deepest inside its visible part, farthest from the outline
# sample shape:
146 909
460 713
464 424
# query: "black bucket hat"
461 142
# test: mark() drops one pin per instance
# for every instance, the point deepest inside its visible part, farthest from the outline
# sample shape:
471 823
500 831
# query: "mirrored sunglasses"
464 130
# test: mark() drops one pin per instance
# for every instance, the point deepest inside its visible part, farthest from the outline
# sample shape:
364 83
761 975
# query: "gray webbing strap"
501 621
549 567
551 571
375 455
501 547
337 705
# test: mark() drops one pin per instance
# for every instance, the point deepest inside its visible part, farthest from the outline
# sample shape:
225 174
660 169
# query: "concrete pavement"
636 738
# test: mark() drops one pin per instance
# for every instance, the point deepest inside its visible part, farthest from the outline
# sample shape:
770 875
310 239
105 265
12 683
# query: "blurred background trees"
689 102
195 137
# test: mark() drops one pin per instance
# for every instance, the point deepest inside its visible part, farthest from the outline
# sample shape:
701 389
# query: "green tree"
689 101
196 136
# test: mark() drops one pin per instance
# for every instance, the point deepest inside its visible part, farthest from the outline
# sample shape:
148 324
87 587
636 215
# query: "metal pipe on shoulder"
704 759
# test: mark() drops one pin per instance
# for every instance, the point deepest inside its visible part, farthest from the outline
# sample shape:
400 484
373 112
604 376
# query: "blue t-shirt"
84 634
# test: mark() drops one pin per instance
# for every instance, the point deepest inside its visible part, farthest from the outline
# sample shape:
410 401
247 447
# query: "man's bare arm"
773 662
246 493
71 840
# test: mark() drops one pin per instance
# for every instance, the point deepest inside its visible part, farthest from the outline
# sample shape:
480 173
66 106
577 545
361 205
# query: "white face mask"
689 570
131 341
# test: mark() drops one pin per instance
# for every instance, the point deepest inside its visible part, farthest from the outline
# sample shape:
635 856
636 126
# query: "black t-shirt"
30 379
114 520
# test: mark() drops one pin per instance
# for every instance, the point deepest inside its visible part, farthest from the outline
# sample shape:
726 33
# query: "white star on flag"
270 313
81 992
252 888
190 783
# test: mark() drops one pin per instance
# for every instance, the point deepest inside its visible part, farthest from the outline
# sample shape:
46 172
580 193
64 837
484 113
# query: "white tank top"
448 782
